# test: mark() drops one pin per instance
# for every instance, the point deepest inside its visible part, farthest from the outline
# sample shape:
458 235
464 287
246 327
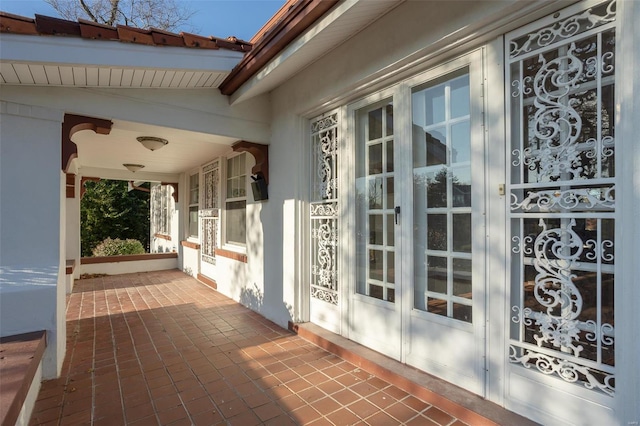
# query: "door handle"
396 212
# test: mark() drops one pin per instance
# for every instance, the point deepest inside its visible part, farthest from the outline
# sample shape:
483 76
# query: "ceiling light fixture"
133 167
151 142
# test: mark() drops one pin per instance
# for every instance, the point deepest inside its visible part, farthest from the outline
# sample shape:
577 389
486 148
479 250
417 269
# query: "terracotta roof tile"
194 40
47 25
90 29
135 35
17 24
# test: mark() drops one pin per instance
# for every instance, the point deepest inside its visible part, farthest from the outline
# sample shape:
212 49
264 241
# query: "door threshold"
458 402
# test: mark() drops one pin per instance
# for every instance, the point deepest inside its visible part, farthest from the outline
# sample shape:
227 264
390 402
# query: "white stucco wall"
402 44
190 263
32 286
129 267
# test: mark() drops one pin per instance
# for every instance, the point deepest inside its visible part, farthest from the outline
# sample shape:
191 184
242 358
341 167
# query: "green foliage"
117 246
108 210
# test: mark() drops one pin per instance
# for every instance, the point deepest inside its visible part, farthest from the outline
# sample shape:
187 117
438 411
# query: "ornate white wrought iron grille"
562 188
210 212
324 208
161 212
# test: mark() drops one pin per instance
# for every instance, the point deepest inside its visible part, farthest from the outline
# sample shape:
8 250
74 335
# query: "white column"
32 270
627 296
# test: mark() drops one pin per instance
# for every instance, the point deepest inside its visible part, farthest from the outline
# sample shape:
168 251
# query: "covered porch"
163 348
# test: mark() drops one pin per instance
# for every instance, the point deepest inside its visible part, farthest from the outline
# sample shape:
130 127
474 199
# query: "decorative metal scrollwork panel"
211 175
324 140
324 209
209 212
562 189
209 239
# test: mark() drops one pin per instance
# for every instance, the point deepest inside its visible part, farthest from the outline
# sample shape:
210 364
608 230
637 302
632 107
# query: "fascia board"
81 52
254 86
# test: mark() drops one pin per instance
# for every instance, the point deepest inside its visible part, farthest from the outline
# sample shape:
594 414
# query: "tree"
166 15
108 210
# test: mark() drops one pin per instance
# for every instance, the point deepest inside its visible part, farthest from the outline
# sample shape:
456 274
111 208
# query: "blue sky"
220 18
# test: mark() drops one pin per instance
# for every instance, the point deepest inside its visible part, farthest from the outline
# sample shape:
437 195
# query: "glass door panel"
375 222
442 196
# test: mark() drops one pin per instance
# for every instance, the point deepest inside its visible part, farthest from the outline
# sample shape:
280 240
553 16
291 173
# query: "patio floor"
162 348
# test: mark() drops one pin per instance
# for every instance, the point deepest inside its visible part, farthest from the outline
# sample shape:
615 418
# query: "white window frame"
191 204
240 197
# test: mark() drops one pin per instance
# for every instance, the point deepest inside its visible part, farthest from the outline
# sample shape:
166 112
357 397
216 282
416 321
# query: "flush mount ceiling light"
151 142
133 167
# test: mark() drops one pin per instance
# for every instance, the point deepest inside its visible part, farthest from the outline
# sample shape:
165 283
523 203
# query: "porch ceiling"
104 155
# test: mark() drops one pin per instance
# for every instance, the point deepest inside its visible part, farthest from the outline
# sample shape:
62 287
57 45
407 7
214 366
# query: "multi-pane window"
236 200
194 194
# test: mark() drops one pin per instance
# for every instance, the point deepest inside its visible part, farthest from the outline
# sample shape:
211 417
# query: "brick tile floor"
162 348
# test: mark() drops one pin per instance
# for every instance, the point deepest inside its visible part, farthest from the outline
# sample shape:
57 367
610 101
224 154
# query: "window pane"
236 222
390 156
460 142
462 278
461 186
437 274
375 193
375 159
434 106
375 229
376 267
437 231
389 115
391 267
460 96
437 306
462 232
375 124
390 194
193 221
437 189
462 312
436 141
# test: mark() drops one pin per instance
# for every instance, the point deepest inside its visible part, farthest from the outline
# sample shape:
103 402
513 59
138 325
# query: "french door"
418 224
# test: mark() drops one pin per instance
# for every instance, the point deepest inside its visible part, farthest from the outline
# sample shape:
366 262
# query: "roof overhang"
338 23
70 61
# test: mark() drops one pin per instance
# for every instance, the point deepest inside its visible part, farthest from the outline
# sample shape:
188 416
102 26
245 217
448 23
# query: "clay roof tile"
15 24
166 38
55 26
47 25
135 35
94 30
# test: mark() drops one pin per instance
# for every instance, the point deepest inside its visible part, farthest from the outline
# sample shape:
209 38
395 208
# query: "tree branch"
88 11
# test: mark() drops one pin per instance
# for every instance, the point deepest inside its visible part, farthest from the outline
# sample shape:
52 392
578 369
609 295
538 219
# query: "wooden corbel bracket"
71 125
260 153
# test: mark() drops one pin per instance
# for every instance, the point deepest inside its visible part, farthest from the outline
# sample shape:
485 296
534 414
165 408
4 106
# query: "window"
236 200
194 194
